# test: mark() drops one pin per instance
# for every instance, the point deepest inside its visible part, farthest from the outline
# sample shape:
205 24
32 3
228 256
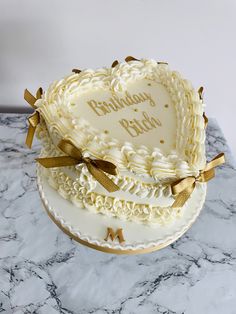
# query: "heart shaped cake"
119 140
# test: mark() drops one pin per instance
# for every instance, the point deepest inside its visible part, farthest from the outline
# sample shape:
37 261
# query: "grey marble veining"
43 271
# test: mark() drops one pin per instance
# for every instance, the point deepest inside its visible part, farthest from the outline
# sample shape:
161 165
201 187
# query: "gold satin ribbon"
183 188
34 119
200 93
115 63
130 58
205 119
96 167
77 71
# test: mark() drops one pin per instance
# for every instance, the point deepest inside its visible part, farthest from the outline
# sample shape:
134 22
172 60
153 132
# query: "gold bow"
115 63
183 188
200 93
77 71
130 58
75 157
34 119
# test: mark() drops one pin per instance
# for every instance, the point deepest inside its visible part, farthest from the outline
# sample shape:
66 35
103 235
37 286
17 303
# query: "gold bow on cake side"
200 93
96 167
34 119
183 188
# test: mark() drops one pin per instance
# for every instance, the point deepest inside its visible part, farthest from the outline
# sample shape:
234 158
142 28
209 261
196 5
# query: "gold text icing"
116 103
133 127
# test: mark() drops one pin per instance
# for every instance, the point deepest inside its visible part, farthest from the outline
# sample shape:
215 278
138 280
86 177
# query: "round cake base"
91 229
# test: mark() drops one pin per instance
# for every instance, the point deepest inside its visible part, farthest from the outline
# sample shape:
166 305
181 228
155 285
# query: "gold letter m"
111 234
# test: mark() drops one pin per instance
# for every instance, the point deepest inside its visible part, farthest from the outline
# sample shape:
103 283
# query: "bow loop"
183 188
39 93
130 58
96 167
115 63
31 100
61 161
34 119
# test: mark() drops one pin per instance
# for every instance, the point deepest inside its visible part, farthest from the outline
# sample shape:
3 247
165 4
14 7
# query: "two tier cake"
126 141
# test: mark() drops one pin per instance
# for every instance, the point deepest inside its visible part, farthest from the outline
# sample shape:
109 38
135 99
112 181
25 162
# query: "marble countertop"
43 271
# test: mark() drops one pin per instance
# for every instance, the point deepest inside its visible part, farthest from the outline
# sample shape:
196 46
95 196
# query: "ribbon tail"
183 196
33 122
30 136
102 178
106 166
52 162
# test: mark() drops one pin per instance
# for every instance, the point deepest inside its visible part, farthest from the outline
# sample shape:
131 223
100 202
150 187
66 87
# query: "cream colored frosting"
70 110
129 183
104 204
186 159
78 186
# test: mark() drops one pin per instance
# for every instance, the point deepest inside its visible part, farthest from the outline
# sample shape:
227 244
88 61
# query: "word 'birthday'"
136 127
116 103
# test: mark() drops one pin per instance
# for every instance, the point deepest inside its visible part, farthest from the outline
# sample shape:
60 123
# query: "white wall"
43 40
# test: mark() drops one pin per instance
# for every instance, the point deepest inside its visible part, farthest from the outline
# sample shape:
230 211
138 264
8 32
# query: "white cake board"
90 229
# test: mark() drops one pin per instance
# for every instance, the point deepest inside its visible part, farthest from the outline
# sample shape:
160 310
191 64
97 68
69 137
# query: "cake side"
78 186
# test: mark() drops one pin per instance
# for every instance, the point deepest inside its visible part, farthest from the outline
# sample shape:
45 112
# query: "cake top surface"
139 115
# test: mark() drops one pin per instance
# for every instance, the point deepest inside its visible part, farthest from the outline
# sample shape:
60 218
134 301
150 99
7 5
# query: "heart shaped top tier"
138 114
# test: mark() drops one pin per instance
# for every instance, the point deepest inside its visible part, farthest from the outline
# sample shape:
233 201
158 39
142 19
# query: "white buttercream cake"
139 115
